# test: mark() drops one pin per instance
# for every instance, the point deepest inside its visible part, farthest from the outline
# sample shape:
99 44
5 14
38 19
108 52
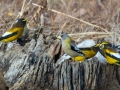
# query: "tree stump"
31 68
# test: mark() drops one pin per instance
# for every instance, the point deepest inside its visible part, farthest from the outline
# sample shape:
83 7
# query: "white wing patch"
116 55
6 33
101 58
86 43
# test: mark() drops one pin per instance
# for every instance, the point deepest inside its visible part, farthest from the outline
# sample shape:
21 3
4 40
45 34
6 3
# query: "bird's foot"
71 61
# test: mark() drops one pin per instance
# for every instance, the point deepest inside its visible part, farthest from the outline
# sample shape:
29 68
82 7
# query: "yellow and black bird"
15 31
77 54
112 56
88 51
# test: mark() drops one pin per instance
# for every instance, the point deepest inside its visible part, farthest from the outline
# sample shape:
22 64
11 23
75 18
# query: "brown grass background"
103 13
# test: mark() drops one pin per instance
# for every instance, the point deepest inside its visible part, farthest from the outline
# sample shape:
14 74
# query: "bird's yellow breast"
79 58
70 52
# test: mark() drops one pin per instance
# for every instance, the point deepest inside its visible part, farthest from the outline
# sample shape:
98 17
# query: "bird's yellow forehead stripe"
97 45
24 20
105 43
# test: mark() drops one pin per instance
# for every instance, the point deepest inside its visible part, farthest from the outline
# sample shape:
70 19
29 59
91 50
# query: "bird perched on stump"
112 56
15 31
77 54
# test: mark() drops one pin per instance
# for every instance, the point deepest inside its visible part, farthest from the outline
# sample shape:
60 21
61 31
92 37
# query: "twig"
101 36
22 9
73 18
64 25
90 33
20 14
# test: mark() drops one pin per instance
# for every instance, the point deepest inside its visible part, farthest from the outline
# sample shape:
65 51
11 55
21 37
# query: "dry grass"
91 19
80 18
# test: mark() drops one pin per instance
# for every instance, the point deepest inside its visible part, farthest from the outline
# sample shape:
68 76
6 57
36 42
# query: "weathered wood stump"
31 68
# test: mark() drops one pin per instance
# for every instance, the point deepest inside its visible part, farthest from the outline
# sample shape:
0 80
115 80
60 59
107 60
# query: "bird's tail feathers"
7 36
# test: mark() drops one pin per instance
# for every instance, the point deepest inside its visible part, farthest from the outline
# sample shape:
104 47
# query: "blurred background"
103 13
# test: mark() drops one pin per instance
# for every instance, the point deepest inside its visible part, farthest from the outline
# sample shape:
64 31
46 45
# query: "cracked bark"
32 68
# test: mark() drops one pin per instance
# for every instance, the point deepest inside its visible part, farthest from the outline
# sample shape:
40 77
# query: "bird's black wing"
85 49
76 49
7 36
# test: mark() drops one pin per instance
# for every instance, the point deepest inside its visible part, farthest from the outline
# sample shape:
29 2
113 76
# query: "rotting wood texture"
31 68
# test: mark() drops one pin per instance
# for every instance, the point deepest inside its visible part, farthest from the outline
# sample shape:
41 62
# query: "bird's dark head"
106 44
103 45
21 22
